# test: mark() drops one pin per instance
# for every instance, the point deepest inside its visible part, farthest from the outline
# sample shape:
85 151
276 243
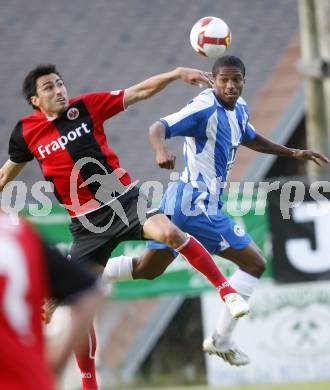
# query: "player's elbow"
152 129
157 129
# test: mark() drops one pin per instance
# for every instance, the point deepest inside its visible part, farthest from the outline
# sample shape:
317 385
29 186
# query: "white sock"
118 269
244 284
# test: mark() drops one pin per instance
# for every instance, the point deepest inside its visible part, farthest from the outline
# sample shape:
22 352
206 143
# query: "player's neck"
50 115
225 105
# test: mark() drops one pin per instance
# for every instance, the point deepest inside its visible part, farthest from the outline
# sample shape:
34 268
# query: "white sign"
287 335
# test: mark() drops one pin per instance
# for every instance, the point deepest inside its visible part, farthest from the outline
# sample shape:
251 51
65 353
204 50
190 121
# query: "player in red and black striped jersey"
30 272
67 138
60 142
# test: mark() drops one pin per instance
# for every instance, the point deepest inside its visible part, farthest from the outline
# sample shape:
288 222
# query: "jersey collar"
40 115
223 105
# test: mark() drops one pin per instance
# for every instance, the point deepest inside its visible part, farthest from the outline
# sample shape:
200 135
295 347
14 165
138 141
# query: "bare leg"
152 263
160 228
249 259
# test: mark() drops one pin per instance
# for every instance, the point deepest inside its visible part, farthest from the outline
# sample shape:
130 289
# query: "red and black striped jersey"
72 149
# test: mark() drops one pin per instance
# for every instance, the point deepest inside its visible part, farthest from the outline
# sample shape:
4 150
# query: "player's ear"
34 100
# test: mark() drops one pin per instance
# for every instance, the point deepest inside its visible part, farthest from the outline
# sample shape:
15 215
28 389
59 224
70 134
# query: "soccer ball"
210 37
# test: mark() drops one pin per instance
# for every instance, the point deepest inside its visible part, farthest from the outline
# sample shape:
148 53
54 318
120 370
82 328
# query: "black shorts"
95 247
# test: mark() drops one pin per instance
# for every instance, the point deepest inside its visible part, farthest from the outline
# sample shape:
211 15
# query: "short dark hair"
227 61
29 87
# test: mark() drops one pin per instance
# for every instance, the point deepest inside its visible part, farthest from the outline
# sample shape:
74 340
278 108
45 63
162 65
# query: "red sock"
200 259
86 361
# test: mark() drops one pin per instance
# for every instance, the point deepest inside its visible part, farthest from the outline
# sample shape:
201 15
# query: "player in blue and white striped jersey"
214 124
213 133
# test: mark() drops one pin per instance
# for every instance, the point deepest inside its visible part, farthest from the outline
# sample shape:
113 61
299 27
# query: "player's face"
51 95
229 84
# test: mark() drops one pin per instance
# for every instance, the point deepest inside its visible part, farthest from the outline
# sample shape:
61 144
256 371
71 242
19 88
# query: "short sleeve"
67 280
104 105
18 149
249 134
191 120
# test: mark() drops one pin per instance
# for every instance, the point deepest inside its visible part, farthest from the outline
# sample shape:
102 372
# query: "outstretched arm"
164 158
9 171
264 145
151 86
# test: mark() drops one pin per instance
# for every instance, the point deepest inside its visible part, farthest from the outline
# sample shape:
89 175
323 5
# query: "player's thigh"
160 228
152 263
249 259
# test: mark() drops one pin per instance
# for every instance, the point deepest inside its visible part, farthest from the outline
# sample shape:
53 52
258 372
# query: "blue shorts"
216 232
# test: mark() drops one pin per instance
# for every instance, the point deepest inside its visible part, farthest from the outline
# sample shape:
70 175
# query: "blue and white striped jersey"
212 136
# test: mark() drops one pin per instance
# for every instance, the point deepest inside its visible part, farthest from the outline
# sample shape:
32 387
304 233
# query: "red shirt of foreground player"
23 286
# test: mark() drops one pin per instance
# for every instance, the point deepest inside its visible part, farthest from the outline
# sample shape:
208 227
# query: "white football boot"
228 351
237 306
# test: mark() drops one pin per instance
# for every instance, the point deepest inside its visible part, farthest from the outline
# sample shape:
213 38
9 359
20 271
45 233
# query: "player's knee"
172 236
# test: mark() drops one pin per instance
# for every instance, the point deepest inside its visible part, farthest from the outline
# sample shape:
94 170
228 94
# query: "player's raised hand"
165 159
309 155
196 77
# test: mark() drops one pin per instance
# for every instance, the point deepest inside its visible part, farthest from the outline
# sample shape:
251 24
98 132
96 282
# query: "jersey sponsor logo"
115 93
72 113
61 142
